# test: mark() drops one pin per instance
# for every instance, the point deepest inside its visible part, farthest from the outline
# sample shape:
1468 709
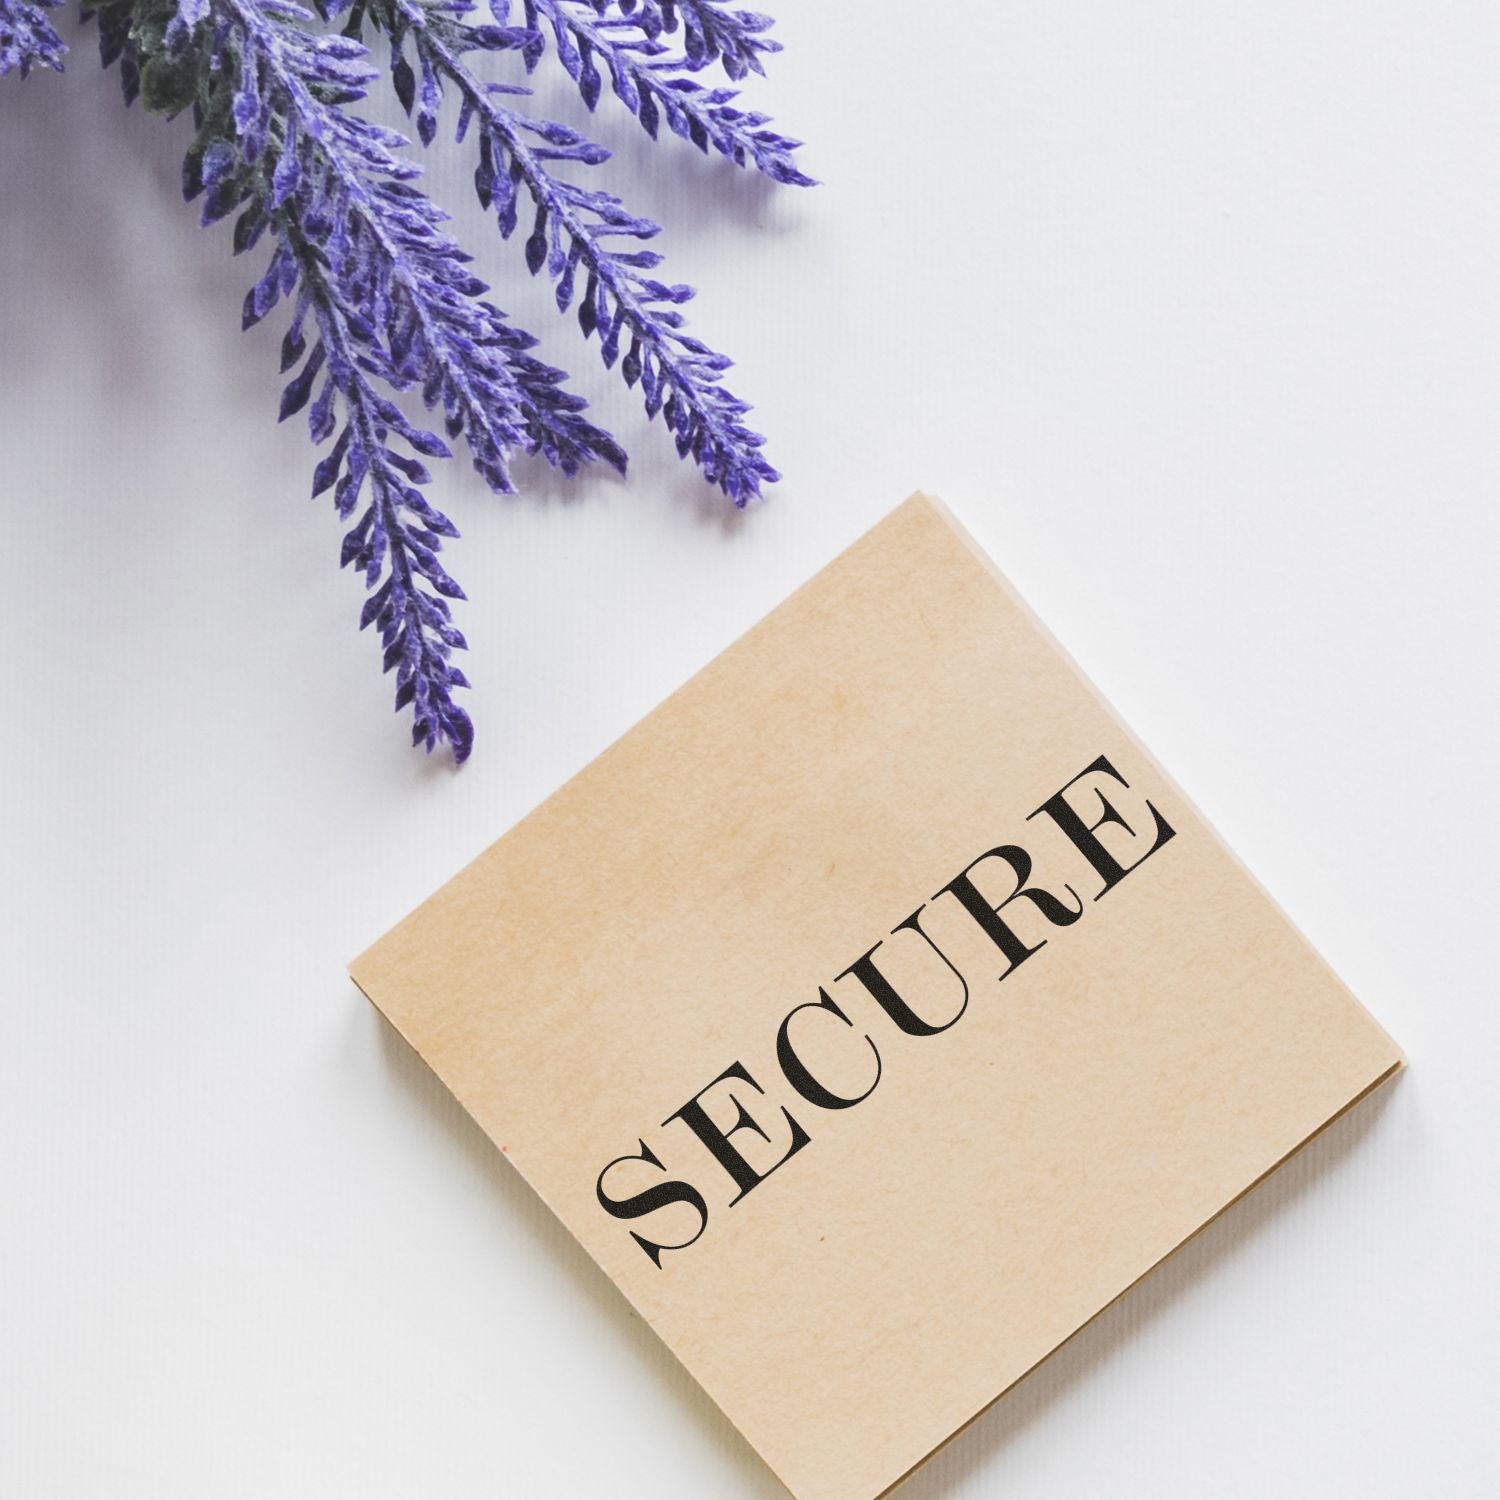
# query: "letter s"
661 1195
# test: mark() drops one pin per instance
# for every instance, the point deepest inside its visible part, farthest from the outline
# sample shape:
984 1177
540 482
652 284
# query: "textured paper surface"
1039 1147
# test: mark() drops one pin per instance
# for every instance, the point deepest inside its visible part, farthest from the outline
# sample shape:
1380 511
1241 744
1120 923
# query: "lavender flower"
27 39
571 226
647 76
712 32
382 299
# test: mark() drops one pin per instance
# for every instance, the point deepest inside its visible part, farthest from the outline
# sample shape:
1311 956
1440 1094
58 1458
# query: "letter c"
797 1072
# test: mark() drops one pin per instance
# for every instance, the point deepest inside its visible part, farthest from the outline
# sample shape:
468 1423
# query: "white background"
1191 311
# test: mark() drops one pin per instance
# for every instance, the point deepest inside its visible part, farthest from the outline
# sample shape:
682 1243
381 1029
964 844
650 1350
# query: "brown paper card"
893 821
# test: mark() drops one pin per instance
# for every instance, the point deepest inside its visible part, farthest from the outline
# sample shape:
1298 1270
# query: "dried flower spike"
27 39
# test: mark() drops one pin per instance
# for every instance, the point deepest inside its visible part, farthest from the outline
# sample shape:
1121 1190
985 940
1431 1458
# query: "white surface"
1190 311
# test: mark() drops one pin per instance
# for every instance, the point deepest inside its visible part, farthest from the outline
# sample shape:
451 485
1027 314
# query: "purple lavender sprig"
680 376
648 77
711 31
27 39
389 298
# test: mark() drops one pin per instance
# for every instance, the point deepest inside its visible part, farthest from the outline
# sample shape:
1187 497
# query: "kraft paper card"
876 1011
